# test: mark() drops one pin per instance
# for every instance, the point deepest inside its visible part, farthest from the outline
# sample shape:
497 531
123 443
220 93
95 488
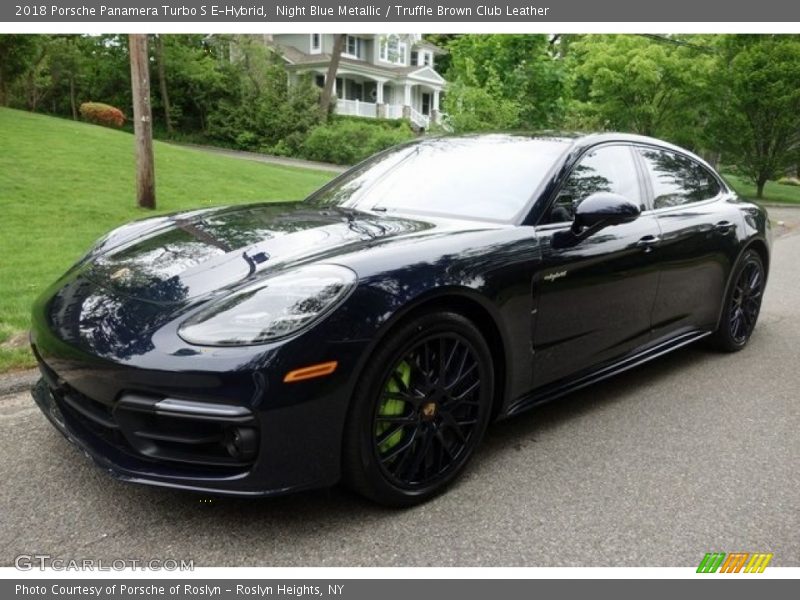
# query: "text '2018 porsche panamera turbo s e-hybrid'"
371 332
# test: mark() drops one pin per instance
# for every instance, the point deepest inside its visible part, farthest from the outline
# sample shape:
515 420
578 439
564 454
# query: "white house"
379 75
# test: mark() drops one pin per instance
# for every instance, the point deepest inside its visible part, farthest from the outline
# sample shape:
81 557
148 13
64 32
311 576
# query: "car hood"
191 254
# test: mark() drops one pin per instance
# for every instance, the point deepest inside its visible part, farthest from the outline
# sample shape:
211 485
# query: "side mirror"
602 209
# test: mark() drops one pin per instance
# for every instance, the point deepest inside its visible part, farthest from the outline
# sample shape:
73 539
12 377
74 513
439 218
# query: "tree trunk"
72 103
143 121
330 78
162 81
762 181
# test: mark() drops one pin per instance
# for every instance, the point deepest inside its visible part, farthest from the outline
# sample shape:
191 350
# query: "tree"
757 121
443 41
652 86
330 77
18 53
515 74
67 65
162 80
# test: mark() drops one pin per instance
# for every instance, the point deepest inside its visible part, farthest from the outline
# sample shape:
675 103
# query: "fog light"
241 442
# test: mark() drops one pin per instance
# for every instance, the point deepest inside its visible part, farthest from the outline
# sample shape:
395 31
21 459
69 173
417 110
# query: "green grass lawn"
773 191
63 184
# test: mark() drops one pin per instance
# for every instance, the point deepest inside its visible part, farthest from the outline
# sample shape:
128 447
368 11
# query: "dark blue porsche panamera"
371 332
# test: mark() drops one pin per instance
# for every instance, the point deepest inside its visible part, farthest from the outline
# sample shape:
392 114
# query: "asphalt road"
697 452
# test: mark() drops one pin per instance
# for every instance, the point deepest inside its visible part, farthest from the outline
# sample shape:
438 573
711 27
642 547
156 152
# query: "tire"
410 432
742 304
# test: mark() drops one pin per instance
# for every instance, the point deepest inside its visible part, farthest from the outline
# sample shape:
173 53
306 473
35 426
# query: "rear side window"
676 179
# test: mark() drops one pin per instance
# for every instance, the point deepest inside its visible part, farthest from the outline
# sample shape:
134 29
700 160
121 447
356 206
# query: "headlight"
271 309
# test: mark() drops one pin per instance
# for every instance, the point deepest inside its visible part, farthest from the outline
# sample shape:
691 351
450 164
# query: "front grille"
95 417
189 436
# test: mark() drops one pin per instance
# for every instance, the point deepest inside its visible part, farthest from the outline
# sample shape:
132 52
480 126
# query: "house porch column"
407 101
380 107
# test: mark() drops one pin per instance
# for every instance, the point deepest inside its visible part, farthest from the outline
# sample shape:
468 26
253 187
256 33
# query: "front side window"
605 169
677 179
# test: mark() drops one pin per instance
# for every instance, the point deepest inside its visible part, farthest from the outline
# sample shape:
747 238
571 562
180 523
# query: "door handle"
724 227
647 242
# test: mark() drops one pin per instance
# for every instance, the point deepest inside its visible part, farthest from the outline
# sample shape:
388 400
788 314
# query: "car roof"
574 138
578 141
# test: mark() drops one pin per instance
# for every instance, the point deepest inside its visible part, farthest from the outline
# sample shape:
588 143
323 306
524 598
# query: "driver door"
593 299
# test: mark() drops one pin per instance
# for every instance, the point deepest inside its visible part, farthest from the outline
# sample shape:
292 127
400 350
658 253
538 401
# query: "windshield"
488 177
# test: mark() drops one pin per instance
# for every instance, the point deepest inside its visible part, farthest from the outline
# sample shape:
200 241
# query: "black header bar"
398 11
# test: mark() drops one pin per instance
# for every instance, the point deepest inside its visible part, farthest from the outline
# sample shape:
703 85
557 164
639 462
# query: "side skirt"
558 389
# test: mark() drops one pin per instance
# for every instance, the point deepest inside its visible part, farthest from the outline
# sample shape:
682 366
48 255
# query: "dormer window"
316 43
393 50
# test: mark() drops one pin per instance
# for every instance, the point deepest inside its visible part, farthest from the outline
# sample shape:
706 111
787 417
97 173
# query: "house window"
393 50
414 57
316 43
353 46
320 80
427 59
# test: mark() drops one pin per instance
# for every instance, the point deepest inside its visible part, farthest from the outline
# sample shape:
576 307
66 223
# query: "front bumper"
178 435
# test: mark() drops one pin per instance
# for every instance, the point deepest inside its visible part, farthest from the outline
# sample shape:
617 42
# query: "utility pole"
143 121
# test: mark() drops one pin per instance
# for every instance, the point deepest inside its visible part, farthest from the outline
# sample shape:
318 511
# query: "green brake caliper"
391 407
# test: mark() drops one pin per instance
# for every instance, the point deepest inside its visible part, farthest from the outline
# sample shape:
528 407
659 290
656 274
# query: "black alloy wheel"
425 405
742 303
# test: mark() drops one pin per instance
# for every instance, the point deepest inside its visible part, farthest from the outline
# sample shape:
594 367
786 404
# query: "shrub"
789 181
102 114
348 141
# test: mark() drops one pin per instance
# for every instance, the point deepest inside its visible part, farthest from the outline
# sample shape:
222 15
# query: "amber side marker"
319 370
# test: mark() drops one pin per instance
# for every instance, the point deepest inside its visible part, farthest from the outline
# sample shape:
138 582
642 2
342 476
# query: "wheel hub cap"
428 412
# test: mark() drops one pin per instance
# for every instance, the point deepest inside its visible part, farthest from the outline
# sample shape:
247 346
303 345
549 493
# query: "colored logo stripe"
711 562
734 562
758 563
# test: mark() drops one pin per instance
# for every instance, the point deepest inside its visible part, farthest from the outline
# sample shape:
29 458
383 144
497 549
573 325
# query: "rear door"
593 300
698 240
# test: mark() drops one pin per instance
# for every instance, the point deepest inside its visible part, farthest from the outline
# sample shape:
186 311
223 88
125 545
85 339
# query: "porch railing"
356 108
394 111
359 108
418 119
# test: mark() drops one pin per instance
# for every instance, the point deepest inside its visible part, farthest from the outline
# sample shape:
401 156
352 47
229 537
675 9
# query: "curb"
21 381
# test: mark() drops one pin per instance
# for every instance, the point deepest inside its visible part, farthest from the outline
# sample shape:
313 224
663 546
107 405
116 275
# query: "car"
371 332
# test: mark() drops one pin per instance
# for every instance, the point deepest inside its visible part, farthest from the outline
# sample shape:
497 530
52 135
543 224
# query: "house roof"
430 46
298 58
